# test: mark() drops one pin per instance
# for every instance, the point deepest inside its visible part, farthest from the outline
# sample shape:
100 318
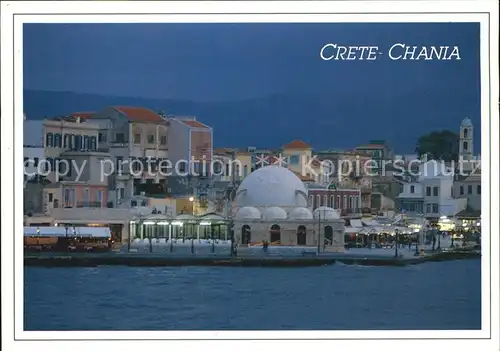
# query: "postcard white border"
220 10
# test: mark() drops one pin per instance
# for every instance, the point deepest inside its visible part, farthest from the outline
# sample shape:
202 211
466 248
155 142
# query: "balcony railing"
92 204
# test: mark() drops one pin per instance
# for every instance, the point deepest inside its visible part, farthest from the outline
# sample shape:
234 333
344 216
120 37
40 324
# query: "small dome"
213 217
326 213
466 122
248 212
301 213
273 213
185 217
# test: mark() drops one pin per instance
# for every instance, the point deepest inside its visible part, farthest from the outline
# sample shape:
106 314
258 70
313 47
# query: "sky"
226 62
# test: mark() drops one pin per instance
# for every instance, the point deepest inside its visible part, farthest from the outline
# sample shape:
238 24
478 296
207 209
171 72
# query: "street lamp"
191 199
396 242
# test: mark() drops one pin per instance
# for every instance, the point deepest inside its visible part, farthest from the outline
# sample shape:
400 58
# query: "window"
461 189
466 132
99 196
57 140
345 201
182 167
466 145
101 137
119 137
428 191
93 143
294 159
121 193
435 191
227 170
78 142
332 201
412 189
137 138
133 203
71 142
151 138
86 142
435 208
338 202
163 140
66 197
325 200
66 141
119 160
479 189
311 200
469 190
428 208
245 170
35 160
86 195
51 197
318 201
49 140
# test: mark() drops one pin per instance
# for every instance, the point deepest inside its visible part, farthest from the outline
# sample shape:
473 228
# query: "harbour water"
433 295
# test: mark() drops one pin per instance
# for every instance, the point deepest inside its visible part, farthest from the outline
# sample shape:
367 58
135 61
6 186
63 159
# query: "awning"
351 230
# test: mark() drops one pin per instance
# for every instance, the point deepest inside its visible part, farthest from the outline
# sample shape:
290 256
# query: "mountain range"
324 120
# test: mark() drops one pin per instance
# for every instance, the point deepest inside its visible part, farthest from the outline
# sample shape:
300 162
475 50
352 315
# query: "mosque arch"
301 235
275 234
246 235
328 237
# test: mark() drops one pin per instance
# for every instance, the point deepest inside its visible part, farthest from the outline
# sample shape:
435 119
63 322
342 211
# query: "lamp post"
396 232
191 199
319 231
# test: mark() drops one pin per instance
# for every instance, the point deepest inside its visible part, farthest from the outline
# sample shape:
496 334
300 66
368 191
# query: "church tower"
466 140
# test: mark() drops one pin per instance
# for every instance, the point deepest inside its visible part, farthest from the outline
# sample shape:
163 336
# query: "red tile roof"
193 123
139 114
297 144
83 115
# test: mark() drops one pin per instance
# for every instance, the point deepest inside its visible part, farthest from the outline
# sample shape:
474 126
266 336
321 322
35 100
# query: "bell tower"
465 150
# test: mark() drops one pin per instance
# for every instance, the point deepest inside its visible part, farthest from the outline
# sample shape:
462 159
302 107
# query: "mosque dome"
248 212
466 122
274 213
301 213
326 213
272 186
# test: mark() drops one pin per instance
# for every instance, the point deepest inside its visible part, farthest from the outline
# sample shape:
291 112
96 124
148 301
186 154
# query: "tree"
439 145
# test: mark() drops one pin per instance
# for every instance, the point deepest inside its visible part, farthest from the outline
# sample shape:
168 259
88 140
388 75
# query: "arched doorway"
275 234
301 235
246 235
328 239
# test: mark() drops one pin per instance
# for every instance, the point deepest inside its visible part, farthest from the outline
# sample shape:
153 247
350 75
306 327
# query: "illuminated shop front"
446 224
158 226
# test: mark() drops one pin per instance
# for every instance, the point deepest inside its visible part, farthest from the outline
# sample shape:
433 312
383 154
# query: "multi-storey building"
137 141
379 152
191 154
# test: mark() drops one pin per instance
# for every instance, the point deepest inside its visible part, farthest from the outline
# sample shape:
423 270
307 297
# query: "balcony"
89 204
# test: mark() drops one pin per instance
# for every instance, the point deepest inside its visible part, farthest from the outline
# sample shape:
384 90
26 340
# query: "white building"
271 206
33 150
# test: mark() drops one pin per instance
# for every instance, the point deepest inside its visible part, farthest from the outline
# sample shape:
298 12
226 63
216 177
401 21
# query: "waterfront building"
63 134
347 201
33 152
431 193
271 205
137 140
350 171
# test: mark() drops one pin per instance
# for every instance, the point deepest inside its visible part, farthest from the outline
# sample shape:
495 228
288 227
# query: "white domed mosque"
272 205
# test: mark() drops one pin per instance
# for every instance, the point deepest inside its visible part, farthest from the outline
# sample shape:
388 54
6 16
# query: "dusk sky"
207 62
